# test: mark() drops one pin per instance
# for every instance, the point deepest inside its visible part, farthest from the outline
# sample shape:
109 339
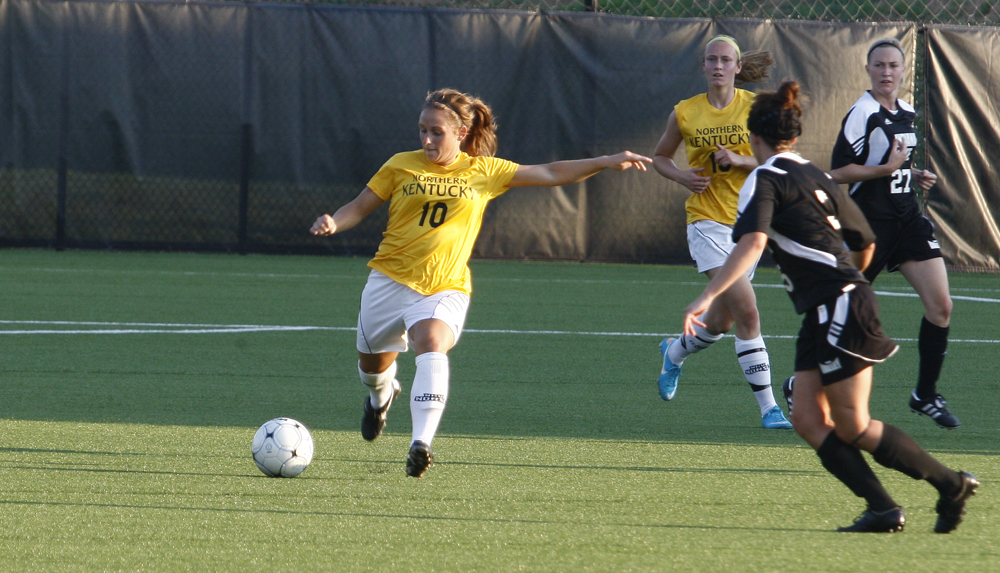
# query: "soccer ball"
282 447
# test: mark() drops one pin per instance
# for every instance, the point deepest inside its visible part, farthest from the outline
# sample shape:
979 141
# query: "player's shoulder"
784 162
789 169
692 103
407 158
857 118
865 107
404 161
489 163
747 97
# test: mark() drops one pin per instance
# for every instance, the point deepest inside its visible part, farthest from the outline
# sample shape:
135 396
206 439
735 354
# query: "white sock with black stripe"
756 365
692 344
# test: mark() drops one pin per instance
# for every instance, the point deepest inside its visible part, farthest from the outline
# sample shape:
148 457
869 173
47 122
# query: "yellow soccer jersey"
703 126
435 215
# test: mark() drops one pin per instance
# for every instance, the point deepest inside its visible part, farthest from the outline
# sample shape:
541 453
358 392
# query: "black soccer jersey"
865 138
811 225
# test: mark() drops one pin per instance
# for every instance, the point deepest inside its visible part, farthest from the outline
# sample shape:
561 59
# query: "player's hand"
724 157
627 159
693 181
693 312
898 154
924 178
325 225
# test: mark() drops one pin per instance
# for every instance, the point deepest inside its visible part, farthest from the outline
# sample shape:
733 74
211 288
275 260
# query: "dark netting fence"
233 125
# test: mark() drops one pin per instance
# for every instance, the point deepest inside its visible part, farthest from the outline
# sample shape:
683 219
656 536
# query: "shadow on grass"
420 517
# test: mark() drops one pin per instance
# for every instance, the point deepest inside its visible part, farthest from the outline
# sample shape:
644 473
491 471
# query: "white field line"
907 291
182 328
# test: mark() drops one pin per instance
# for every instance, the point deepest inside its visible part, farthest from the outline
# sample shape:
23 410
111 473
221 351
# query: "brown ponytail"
469 112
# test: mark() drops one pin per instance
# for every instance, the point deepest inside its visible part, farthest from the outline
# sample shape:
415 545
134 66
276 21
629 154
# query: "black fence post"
246 138
62 160
246 151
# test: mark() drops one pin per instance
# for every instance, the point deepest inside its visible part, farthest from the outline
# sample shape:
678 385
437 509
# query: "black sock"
847 464
899 452
932 346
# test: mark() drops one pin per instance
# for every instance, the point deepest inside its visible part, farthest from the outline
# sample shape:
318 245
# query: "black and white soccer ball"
282 447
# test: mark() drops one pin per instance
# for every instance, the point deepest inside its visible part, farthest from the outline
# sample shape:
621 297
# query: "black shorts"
843 336
898 241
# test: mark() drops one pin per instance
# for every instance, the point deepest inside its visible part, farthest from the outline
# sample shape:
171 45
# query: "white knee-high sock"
380 385
692 344
756 365
429 395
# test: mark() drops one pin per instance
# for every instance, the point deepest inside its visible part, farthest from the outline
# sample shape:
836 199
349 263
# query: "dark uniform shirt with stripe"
812 225
865 138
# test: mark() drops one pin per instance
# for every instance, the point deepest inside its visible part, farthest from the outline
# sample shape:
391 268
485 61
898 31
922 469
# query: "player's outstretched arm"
349 215
566 172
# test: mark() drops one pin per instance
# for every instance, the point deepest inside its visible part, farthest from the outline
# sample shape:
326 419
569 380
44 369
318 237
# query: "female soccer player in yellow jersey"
419 286
712 127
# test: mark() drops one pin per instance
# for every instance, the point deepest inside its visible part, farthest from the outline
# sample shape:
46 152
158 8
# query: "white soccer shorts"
710 242
389 309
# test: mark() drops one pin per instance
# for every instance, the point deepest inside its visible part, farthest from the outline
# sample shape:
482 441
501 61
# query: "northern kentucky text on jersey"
436 186
723 135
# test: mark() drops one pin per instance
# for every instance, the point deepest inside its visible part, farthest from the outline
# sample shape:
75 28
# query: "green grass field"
125 427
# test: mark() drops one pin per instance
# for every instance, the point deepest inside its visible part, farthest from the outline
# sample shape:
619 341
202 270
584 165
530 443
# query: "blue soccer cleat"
670 373
774 419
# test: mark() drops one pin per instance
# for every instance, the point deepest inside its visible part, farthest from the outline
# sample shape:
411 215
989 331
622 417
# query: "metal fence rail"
960 12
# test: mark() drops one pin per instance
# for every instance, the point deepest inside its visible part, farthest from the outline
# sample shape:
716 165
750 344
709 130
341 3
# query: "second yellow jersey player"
704 128
712 127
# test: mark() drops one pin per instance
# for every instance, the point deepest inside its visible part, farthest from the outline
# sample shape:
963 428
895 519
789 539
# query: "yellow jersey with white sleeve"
435 214
704 127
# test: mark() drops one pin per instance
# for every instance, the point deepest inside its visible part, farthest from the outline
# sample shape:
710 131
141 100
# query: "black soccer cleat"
373 421
936 408
950 511
420 458
786 391
888 521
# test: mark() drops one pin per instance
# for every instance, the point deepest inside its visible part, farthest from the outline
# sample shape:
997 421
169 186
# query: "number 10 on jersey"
437 214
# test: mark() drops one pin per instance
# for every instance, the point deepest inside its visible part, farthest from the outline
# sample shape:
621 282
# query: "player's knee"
849 433
717 324
940 312
375 363
811 430
743 312
433 342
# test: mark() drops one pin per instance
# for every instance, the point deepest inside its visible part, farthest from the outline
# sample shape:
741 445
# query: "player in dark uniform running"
873 154
820 239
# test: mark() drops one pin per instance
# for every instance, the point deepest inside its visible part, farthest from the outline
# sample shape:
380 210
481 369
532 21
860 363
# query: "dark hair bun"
776 116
